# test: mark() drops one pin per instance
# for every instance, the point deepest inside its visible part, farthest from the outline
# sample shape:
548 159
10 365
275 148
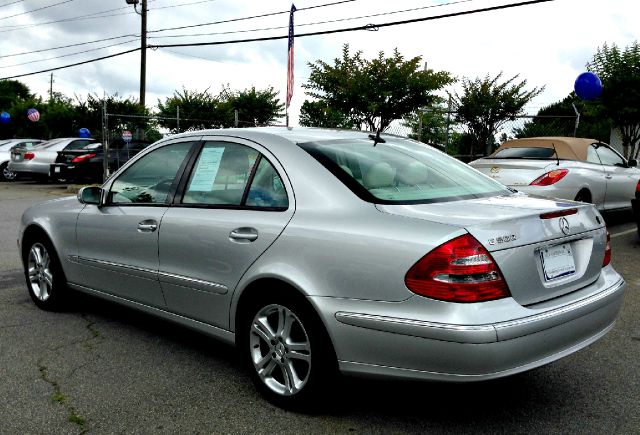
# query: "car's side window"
220 174
150 178
267 188
592 155
609 157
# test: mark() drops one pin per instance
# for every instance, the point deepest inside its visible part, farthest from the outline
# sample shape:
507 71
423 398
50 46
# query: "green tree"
619 70
12 90
486 104
319 114
374 92
429 125
198 110
255 107
559 119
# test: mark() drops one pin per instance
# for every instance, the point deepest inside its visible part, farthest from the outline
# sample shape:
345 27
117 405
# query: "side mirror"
632 162
90 195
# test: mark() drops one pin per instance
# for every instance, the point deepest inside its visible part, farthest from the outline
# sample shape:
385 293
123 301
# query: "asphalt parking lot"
99 368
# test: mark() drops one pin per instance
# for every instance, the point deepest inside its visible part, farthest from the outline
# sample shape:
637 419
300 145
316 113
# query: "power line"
337 20
351 29
131 35
74 64
36 10
13 3
231 20
69 54
76 18
71 45
300 35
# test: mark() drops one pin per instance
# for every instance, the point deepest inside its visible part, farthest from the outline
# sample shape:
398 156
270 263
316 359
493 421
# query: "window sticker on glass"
207 169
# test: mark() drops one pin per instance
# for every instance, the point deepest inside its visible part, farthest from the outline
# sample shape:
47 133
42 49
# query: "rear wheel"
583 196
6 174
44 275
287 351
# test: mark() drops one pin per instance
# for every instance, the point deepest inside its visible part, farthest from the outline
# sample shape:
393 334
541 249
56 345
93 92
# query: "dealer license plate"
56 169
557 261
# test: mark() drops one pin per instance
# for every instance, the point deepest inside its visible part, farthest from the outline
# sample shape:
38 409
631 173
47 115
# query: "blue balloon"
588 86
84 132
5 117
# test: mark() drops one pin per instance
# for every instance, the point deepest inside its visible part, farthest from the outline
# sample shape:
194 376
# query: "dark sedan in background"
87 164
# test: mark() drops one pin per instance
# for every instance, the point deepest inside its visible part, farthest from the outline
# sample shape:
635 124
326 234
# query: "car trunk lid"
544 248
514 172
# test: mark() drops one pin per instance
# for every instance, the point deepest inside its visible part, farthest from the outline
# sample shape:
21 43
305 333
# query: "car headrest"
380 174
413 173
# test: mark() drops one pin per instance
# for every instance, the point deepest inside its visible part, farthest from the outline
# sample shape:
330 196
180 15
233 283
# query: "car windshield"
524 153
401 172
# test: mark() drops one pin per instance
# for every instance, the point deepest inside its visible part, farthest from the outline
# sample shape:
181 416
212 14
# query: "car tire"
583 196
287 351
43 273
6 174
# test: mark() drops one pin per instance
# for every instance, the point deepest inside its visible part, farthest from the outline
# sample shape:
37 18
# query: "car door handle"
244 234
147 226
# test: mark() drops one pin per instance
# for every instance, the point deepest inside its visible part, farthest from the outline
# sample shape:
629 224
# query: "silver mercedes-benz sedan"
322 252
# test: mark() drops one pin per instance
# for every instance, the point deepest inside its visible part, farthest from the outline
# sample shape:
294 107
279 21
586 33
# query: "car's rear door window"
401 171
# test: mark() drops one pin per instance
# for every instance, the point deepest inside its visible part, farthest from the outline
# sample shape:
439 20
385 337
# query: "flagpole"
289 66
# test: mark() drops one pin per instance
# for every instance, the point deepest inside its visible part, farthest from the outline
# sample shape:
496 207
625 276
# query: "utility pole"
51 88
143 46
143 54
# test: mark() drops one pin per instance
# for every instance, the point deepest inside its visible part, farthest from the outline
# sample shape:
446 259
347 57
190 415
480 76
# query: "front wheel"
44 275
290 358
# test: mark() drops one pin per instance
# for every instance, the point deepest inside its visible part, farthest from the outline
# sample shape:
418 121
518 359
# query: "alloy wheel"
280 350
39 272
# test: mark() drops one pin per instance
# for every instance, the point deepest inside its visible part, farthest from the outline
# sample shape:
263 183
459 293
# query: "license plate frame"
557 261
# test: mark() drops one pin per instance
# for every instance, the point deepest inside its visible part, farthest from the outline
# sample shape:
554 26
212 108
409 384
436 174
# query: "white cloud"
548 44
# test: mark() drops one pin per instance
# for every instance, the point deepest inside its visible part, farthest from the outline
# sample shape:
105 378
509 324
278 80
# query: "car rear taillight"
29 155
550 178
460 270
607 250
82 158
638 190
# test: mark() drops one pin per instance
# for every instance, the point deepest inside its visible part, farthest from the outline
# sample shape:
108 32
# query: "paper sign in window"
207 169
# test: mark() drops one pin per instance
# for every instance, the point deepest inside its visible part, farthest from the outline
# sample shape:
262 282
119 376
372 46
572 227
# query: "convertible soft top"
568 148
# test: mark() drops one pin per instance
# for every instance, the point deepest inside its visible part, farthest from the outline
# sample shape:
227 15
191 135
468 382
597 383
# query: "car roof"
292 134
569 148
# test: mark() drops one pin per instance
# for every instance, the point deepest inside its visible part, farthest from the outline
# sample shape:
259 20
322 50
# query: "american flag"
290 63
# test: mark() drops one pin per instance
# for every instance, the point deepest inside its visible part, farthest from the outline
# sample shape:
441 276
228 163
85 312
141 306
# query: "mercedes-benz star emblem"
564 226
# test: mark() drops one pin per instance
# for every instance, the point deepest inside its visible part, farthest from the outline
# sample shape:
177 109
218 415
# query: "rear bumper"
387 344
75 171
29 168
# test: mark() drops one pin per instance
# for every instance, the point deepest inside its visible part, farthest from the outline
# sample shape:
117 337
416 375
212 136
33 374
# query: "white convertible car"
564 167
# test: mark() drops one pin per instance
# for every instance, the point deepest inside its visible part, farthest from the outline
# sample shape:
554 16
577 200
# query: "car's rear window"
401 172
524 153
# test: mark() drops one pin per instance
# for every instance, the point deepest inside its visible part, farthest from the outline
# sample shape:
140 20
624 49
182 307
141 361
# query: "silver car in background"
36 162
320 252
564 167
5 155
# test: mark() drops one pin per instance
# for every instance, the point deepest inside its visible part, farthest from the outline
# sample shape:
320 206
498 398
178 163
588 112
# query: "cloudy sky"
548 44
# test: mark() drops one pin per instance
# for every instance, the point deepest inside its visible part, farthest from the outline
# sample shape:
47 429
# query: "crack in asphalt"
58 395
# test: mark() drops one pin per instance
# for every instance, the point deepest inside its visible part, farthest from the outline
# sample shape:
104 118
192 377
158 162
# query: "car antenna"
556 153
377 139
